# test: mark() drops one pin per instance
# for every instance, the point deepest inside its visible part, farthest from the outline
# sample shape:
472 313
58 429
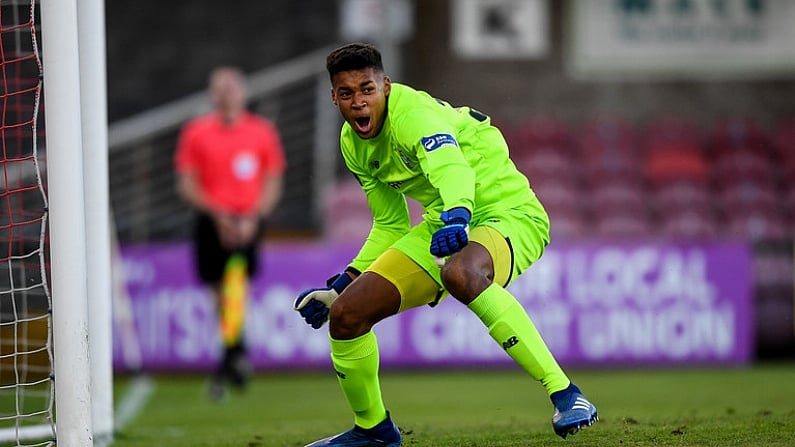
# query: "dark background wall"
156 54
159 54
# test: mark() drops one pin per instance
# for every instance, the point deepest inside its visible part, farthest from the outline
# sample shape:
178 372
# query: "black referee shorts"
211 257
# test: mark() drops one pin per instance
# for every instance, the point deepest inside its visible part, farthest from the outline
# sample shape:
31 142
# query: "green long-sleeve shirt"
441 156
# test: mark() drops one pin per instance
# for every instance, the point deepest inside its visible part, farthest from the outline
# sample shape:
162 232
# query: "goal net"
26 384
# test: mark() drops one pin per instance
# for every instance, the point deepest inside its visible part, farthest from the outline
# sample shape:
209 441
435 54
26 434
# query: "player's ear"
333 97
387 85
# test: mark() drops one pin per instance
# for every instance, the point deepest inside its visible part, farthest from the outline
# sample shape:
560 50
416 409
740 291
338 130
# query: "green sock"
356 363
511 327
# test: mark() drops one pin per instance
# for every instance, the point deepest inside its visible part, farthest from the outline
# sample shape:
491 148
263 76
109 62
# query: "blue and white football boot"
385 434
572 411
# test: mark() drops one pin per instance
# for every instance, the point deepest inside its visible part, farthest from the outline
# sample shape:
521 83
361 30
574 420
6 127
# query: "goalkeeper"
482 227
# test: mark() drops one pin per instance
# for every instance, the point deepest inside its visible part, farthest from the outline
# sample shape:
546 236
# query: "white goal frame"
76 133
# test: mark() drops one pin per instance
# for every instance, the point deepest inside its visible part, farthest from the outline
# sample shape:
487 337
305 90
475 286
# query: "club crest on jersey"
438 140
406 160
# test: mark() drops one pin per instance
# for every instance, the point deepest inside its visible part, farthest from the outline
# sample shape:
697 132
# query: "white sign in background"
721 39
504 29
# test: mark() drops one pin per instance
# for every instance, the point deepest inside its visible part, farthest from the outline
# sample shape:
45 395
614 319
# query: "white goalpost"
93 100
67 222
79 30
56 371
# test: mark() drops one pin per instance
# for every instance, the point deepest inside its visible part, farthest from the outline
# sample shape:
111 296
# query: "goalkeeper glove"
314 304
454 235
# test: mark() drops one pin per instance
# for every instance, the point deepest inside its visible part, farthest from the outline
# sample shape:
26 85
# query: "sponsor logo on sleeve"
438 140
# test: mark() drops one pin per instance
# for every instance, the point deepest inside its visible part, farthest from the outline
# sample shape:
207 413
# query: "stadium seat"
784 137
558 195
670 132
749 196
354 228
346 214
616 197
681 196
675 164
788 203
784 145
624 225
547 161
602 132
566 224
540 132
786 171
609 148
346 192
672 152
736 133
756 225
687 223
742 166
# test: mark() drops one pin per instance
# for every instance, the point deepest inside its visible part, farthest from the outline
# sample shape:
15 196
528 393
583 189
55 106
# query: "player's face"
361 96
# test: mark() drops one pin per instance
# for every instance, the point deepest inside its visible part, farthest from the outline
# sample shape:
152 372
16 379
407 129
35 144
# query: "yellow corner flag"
234 285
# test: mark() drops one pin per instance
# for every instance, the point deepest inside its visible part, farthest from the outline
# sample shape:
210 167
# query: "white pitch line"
133 400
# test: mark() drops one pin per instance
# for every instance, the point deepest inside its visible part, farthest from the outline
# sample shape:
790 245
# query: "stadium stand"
666 167
615 196
629 224
742 166
544 163
609 150
756 225
681 195
347 215
693 223
737 133
667 178
562 199
672 151
346 212
537 132
748 196
670 132
543 149
784 148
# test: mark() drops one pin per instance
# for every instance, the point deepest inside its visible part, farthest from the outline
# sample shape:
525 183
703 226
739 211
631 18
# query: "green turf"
752 406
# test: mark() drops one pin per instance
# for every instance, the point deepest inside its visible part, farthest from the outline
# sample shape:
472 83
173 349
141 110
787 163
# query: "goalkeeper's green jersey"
441 156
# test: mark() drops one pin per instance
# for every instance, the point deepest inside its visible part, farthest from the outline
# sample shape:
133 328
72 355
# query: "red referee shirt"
230 161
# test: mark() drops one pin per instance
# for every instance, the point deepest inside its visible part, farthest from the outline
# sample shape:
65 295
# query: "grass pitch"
750 406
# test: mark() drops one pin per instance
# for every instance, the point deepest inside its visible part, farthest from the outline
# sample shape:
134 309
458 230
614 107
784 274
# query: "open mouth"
363 124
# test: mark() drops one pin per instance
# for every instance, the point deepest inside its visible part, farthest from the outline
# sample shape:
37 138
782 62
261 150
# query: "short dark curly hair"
353 56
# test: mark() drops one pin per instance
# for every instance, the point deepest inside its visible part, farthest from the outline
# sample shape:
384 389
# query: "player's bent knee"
453 277
347 322
462 281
